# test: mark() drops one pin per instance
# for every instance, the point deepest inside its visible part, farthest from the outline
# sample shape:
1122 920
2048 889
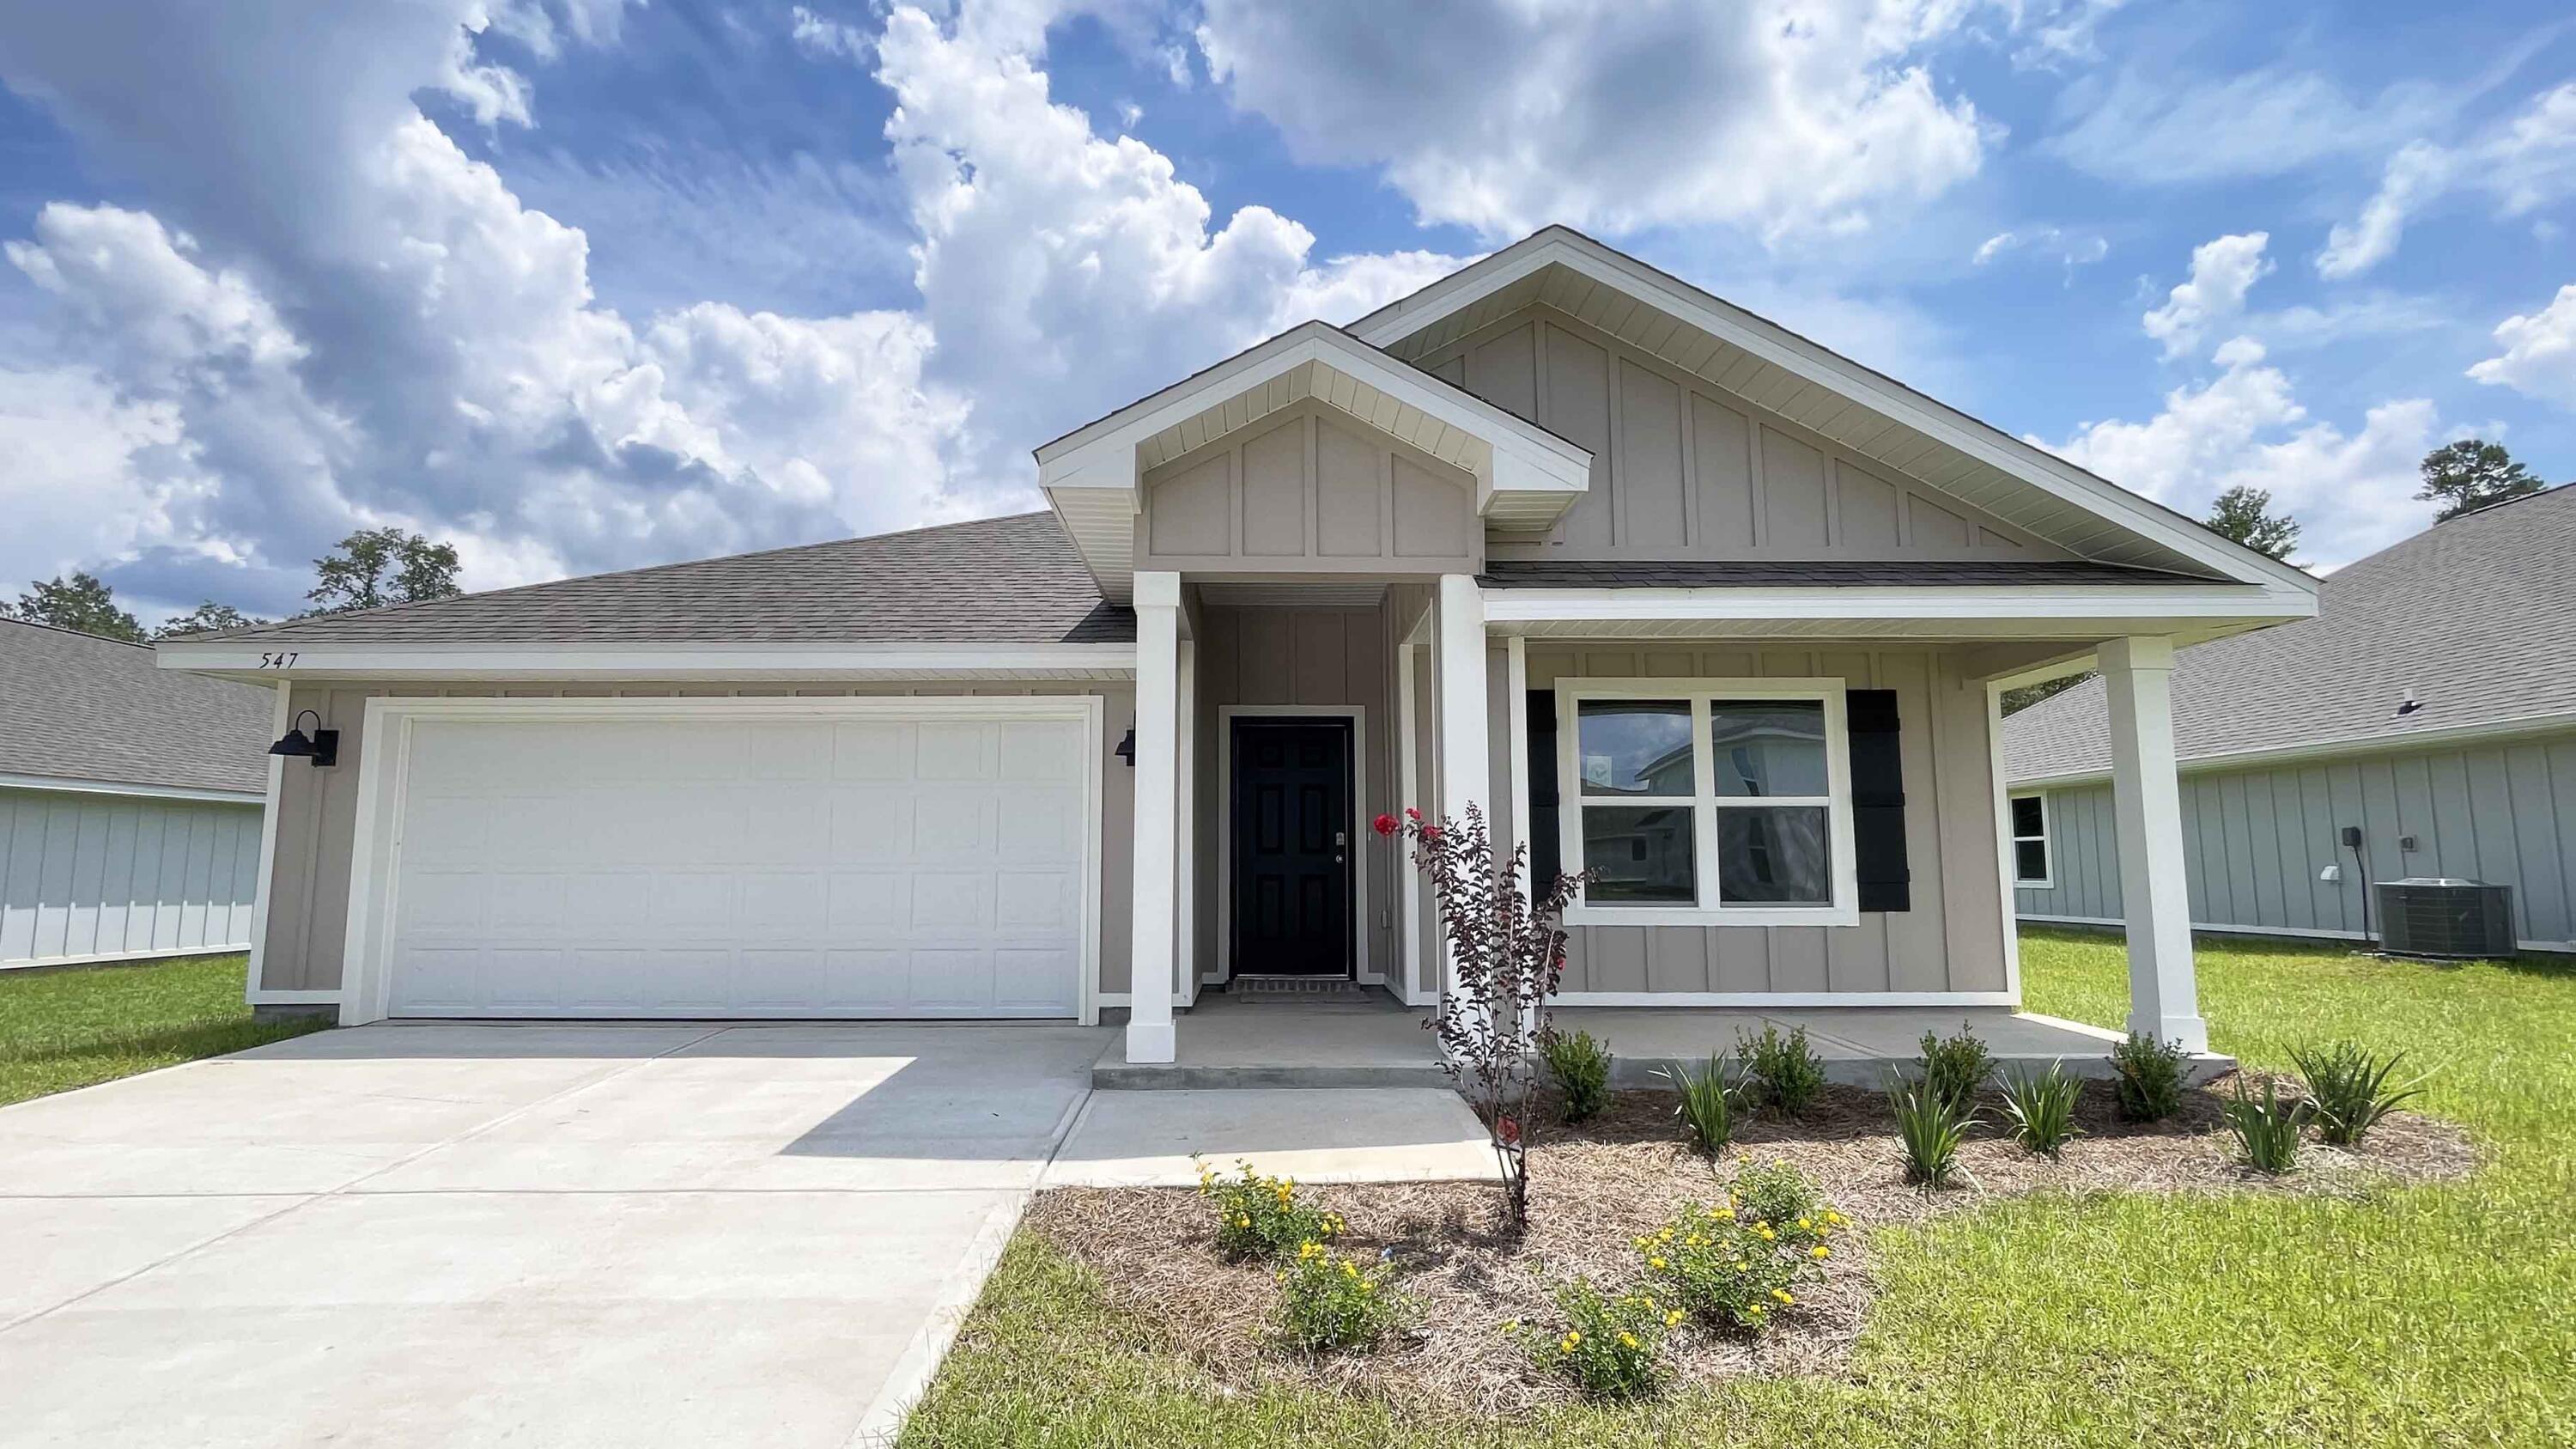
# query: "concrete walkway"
561 1236
1351 1134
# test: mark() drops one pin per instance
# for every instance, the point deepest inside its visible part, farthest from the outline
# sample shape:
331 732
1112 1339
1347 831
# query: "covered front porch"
1873 709
1249 1042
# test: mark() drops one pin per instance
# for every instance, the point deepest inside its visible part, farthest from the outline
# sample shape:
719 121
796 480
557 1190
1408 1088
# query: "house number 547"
277 661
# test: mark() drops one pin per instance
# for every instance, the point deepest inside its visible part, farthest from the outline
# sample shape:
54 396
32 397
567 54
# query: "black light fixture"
1127 749
322 746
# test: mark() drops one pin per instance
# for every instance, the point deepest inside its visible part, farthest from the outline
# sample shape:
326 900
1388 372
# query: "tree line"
369 569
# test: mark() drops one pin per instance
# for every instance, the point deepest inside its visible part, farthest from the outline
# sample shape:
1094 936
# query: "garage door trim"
384 769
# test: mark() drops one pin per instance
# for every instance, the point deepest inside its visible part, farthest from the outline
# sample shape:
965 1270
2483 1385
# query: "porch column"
1466 762
2146 800
1151 923
1185 815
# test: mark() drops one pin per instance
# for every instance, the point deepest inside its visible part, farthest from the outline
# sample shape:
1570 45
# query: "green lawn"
2435 1315
65 1029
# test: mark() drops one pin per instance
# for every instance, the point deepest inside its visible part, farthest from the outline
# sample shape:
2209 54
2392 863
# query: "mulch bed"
1596 1187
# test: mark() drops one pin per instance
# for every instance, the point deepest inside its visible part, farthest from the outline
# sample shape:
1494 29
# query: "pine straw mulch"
1596 1187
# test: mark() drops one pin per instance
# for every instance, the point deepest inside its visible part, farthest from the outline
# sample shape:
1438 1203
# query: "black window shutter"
1878 800
1544 862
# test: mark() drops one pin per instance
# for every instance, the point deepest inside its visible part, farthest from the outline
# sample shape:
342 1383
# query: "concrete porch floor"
1232 1042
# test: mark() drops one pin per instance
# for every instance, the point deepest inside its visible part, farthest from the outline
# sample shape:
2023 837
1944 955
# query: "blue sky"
584 284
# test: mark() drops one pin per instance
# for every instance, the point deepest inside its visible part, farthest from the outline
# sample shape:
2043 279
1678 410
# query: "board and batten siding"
317 815
2256 840
89 877
1683 469
1310 490
1953 939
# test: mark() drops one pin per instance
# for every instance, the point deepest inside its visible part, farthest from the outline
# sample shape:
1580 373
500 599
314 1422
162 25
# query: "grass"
2430 1315
70 1028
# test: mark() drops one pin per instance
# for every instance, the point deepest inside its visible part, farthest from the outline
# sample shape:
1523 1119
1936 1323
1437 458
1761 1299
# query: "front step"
1121 1075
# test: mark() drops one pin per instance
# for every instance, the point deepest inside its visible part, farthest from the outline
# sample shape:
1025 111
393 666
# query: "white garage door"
921 864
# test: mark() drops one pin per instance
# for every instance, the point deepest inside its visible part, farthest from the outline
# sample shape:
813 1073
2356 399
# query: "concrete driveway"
539 1235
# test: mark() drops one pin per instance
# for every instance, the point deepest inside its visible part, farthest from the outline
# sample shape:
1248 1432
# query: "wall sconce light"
1127 749
322 746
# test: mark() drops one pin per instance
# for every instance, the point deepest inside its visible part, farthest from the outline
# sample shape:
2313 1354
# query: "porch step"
1113 1073
1303 990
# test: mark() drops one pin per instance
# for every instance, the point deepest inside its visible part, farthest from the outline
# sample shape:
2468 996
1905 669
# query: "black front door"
1292 847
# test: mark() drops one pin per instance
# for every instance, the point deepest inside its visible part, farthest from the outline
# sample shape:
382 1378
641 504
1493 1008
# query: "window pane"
2030 860
1640 854
2027 817
1775 855
1768 746
1634 746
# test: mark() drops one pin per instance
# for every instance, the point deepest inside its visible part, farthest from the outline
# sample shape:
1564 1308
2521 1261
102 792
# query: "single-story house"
2431 705
1663 588
130 802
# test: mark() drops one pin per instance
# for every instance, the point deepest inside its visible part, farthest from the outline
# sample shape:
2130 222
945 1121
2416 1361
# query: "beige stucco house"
1664 589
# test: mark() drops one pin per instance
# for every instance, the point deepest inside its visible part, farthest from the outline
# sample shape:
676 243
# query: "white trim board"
1361 925
55 784
1762 999
254 980
2481 732
366 978
103 958
273 658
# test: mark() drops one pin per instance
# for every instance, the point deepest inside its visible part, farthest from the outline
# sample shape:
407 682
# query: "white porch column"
2146 799
1185 934
1466 762
1151 923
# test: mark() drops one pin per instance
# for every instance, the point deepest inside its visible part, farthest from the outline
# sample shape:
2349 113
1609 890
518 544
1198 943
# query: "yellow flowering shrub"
1738 1263
1611 1347
1328 1301
1260 1217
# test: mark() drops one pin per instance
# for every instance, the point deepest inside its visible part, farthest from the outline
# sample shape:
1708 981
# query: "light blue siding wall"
2254 841
85 875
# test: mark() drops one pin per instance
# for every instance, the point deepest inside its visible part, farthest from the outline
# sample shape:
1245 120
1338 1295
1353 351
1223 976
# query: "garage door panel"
676 867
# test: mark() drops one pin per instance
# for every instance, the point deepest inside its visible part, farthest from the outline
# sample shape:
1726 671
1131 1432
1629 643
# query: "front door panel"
1292 848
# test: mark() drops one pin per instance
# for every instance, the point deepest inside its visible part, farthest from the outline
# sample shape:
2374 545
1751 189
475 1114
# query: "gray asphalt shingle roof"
1847 573
74 707
1013 580
2476 616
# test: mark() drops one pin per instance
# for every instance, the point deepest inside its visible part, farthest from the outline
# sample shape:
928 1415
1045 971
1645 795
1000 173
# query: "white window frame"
2046 837
1705 802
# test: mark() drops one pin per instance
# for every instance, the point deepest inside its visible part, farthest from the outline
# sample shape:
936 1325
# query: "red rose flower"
1383 825
1412 814
1431 832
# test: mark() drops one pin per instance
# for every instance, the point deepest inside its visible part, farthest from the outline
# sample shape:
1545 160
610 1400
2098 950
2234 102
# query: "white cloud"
1779 117
2060 34
2539 357
2069 249
332 316
1064 274
2351 492
2149 124
2222 272
820 35
2522 163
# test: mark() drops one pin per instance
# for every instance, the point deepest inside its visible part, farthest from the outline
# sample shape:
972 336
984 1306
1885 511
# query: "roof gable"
1525 475
1776 370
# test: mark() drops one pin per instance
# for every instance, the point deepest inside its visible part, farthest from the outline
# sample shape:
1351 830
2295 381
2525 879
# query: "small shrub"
1611 1347
1787 1071
1260 1217
1955 1068
2042 1109
1327 1301
1581 1066
1707 1106
2150 1077
1733 1265
2267 1129
1931 1132
2351 1088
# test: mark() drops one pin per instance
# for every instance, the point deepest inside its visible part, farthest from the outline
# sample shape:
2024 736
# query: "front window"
2030 841
1708 801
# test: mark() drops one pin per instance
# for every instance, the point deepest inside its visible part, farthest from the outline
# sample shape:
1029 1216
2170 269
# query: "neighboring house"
1527 540
129 802
2431 704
